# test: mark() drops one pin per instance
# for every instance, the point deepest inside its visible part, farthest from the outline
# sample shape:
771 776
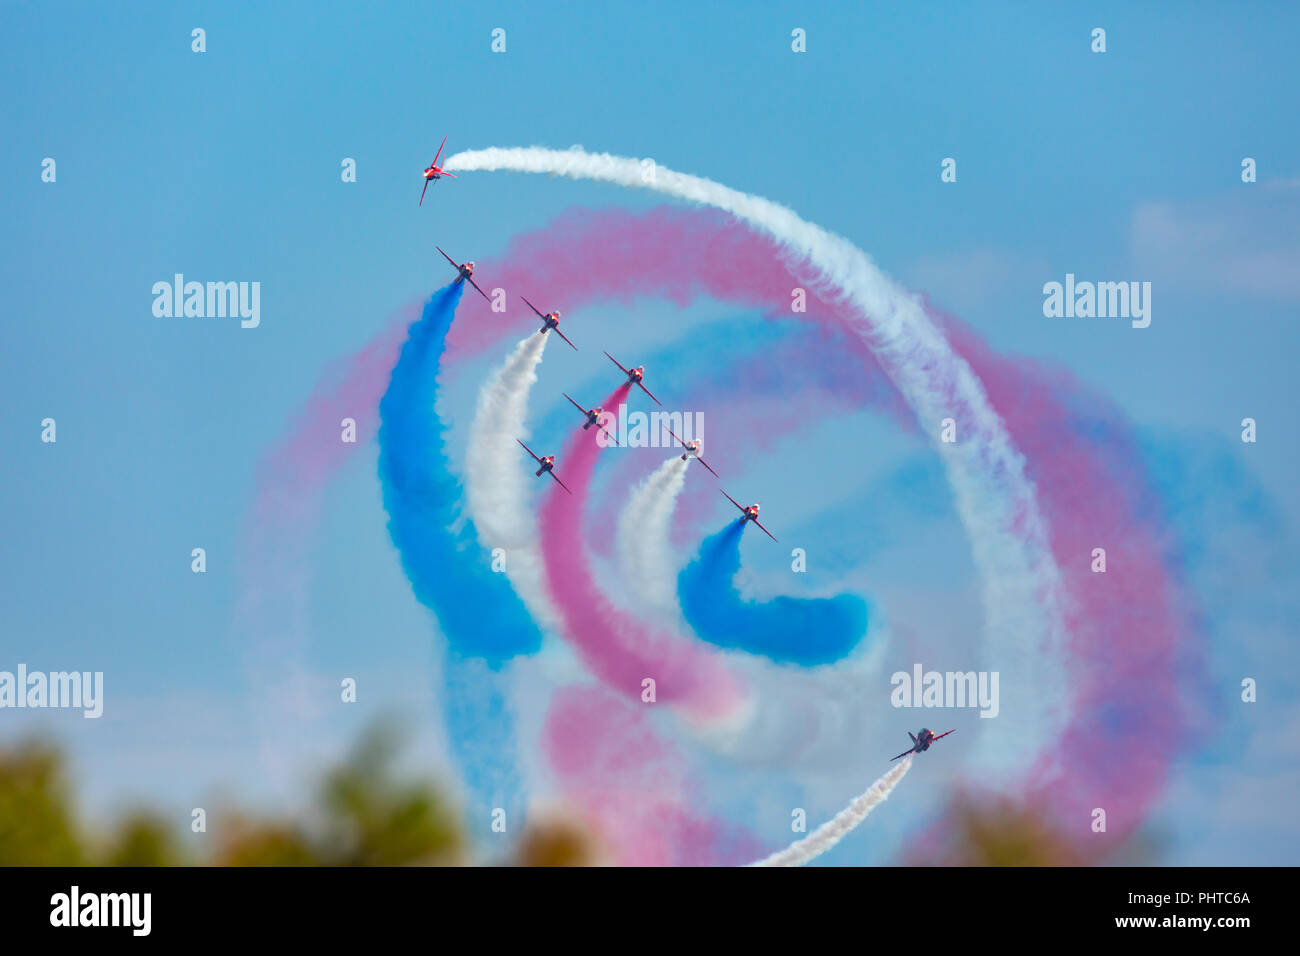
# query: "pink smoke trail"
271 612
1129 628
619 648
612 255
630 786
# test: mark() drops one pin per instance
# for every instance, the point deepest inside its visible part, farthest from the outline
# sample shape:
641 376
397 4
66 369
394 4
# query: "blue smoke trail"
484 621
805 631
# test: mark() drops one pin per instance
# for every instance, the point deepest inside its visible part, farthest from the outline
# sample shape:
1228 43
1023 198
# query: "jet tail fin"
912 735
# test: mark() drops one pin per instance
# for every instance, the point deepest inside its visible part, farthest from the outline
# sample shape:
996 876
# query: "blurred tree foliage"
363 814
37 818
988 830
557 841
142 839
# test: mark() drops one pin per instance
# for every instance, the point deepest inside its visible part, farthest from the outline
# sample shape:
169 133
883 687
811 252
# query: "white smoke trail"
496 486
1021 586
644 553
839 826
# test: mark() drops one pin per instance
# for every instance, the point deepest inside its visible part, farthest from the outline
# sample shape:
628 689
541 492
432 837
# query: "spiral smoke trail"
496 487
1023 599
485 623
644 553
841 825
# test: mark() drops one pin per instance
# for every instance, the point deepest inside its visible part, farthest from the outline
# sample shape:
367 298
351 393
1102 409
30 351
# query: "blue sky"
225 165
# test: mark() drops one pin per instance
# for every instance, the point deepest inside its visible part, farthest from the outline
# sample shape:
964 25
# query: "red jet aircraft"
550 320
635 376
921 743
466 272
692 451
547 464
750 513
593 417
433 170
